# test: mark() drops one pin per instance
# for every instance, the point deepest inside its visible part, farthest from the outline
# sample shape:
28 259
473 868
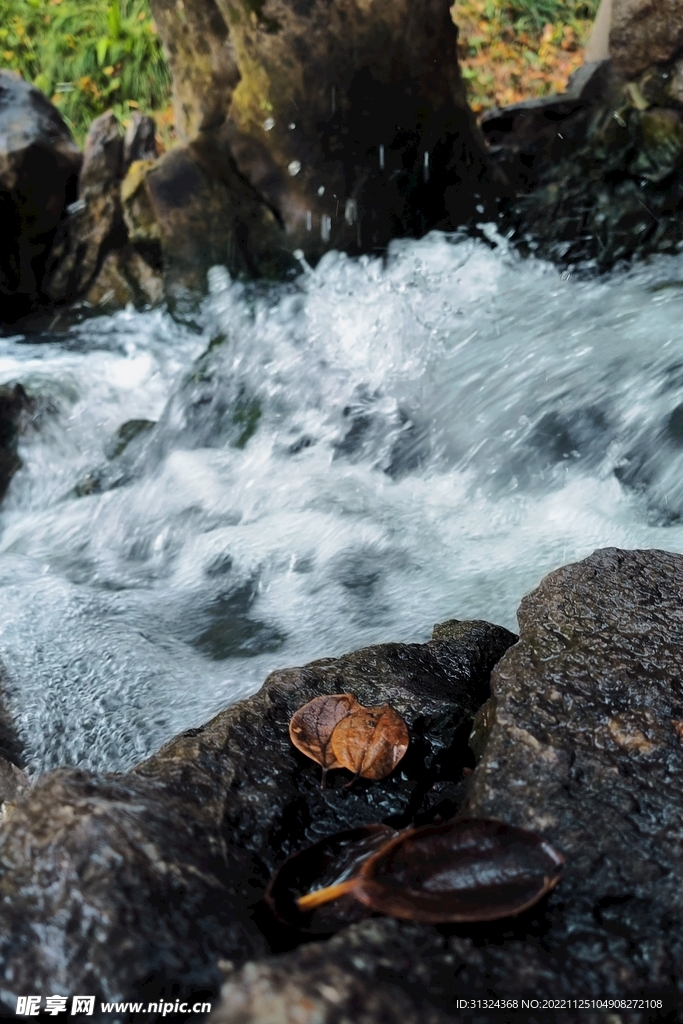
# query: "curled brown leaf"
311 727
464 870
371 741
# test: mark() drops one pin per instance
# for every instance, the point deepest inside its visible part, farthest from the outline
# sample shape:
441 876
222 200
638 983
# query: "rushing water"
380 446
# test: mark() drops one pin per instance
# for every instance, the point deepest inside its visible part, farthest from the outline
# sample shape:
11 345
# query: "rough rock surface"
139 142
150 879
189 211
347 119
584 747
38 170
111 887
644 33
587 711
315 986
125 277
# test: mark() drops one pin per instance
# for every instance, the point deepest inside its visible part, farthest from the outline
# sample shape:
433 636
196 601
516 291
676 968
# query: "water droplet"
294 167
309 220
268 124
381 158
351 211
325 227
292 126
425 167
321 190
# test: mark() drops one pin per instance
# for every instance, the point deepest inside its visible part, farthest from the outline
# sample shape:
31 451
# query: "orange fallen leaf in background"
311 727
371 741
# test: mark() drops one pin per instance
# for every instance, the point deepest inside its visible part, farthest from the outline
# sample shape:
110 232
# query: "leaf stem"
331 892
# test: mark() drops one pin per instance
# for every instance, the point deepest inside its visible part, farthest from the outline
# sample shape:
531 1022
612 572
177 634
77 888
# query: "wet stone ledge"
583 746
153 880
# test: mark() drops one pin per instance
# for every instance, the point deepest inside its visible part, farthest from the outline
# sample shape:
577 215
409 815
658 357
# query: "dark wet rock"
15 410
11 750
584 749
348 123
275 805
139 142
13 784
152 880
196 211
596 174
582 743
125 278
39 165
95 224
132 883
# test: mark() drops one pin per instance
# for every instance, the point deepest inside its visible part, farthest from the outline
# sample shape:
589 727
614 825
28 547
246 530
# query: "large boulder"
39 165
347 120
151 881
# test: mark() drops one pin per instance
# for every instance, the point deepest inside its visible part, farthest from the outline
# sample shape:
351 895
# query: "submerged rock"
150 880
39 166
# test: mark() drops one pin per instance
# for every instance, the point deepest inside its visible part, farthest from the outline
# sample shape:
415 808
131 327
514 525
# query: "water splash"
384 444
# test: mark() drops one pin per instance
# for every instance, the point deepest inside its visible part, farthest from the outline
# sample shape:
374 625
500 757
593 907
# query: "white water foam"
382 445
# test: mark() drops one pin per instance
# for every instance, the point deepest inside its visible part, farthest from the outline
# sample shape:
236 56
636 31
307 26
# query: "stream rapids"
309 468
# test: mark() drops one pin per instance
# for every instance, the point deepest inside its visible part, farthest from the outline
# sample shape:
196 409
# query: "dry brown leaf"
311 727
370 741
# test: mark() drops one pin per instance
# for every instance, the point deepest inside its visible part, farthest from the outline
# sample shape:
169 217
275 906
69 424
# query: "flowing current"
313 467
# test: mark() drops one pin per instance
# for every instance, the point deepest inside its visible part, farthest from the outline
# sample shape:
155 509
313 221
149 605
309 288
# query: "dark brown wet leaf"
371 741
311 727
329 862
472 869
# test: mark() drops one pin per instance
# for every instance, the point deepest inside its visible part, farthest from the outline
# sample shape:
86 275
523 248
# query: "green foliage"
86 55
534 14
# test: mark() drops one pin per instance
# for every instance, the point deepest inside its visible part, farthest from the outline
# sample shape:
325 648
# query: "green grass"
87 55
534 14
